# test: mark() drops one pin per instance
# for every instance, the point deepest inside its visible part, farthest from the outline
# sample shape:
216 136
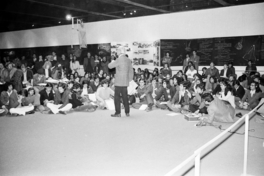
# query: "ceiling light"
59 22
135 11
68 17
124 13
32 25
131 13
186 6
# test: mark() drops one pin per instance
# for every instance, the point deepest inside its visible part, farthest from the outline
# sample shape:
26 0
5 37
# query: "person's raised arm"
113 63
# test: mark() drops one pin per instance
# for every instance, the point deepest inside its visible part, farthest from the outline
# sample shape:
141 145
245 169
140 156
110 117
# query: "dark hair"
186 84
204 68
208 97
105 81
201 86
62 85
31 88
242 78
140 79
76 86
256 85
228 87
180 71
86 82
185 76
261 81
231 63
214 78
49 85
9 84
237 82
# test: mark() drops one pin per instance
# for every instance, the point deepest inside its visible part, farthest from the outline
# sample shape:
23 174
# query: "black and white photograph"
132 88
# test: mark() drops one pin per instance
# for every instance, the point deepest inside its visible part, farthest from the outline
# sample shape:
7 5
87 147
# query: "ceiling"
28 14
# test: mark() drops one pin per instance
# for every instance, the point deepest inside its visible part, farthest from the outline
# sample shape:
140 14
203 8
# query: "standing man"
124 74
87 63
167 59
195 60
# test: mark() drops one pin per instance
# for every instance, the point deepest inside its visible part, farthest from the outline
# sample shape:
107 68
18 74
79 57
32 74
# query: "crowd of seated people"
27 87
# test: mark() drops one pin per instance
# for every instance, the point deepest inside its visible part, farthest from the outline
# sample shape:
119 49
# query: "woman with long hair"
75 65
226 93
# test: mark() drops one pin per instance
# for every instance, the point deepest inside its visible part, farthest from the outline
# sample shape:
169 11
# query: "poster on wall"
219 50
141 53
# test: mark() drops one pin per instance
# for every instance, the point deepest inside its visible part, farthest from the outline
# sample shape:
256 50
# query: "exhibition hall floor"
95 144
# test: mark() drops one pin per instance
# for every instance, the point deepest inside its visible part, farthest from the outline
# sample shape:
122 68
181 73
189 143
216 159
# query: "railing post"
246 145
197 164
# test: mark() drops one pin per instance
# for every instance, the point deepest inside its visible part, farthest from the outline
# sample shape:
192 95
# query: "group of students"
213 93
51 88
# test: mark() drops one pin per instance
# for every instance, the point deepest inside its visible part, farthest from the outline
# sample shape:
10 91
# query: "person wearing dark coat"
251 68
226 72
239 90
87 65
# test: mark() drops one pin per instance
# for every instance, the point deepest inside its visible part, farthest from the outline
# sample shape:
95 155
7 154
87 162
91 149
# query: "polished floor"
95 144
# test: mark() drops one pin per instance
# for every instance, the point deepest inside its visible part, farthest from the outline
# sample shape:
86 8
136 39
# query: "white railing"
197 153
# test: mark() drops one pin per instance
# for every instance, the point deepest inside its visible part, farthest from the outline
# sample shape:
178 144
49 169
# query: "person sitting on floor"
46 96
95 84
218 111
225 72
166 71
145 96
27 77
181 98
39 78
33 98
104 93
61 100
211 84
239 92
191 72
226 93
77 104
251 98
197 104
166 94
11 101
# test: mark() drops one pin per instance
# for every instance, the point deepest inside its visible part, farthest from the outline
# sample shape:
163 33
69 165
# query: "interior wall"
221 22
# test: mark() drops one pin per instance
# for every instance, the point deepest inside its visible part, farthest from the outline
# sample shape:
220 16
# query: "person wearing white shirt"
191 72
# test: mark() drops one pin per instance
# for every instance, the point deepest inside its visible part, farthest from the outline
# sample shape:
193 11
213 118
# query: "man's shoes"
239 115
30 112
127 114
149 109
63 112
115 115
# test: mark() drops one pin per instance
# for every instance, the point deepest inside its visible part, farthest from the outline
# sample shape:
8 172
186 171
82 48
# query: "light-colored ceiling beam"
143 6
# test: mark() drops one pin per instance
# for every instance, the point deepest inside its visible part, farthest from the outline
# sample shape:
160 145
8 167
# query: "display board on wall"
219 50
141 53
